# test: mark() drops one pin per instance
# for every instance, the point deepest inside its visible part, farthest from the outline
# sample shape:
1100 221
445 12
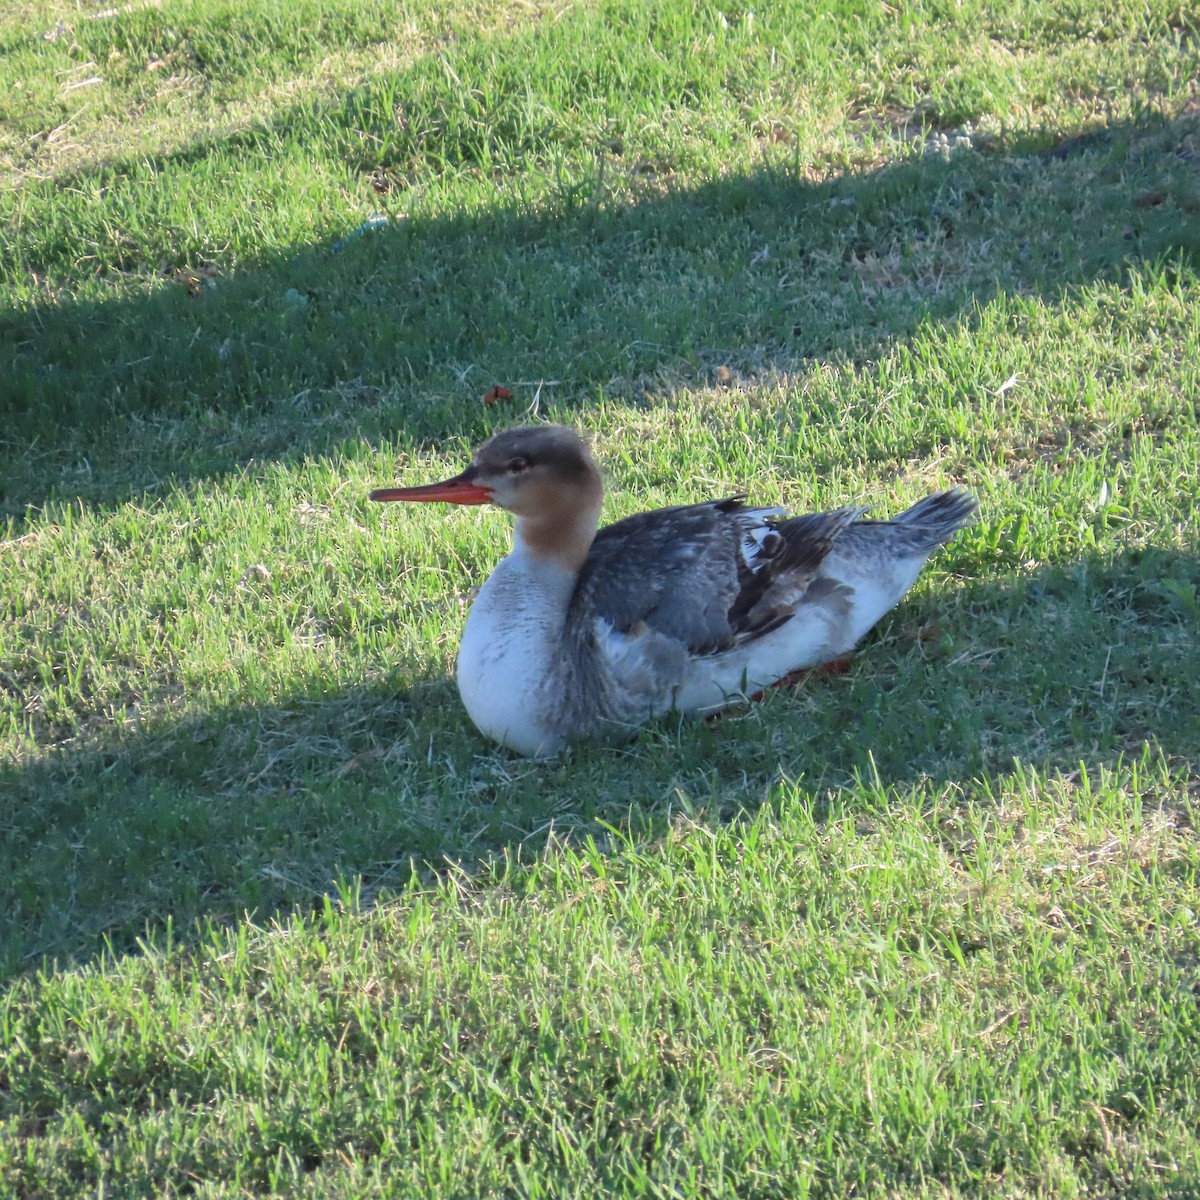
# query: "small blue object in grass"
372 222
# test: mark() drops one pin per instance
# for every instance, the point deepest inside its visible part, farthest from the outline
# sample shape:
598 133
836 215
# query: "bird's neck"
561 537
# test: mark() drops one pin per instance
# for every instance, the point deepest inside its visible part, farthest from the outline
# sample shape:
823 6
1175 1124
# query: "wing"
706 575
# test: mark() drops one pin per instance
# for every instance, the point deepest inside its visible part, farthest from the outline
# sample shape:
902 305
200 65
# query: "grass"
280 922
816 1000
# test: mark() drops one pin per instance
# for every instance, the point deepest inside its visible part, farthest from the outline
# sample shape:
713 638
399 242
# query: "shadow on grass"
593 295
399 333
267 808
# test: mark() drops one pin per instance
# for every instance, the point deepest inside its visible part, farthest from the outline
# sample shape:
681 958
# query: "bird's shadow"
266 809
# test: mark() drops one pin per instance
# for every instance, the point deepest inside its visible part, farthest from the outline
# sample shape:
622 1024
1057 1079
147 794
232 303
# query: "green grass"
278 921
821 999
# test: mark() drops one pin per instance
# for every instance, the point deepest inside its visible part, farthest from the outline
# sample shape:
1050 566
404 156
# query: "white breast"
511 647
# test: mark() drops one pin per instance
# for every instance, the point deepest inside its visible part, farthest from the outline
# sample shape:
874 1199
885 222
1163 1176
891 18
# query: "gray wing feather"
674 569
706 575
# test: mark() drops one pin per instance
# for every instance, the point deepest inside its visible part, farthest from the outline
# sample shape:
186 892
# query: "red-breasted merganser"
580 633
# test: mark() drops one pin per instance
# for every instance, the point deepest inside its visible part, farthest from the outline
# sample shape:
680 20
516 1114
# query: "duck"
585 633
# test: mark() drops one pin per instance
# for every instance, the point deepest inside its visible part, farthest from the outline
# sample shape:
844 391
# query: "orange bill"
461 489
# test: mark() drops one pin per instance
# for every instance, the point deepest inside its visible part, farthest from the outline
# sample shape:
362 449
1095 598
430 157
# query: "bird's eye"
517 465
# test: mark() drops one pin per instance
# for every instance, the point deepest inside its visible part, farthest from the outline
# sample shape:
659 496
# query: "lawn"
279 922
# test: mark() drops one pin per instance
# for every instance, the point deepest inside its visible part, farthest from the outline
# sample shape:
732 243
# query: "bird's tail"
936 519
